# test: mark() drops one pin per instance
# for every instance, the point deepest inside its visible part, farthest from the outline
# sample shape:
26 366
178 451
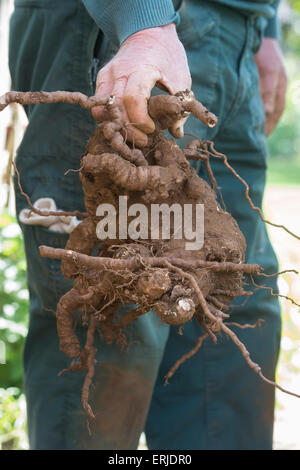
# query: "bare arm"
272 80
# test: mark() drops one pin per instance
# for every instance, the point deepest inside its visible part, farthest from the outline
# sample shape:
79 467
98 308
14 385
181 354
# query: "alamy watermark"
188 222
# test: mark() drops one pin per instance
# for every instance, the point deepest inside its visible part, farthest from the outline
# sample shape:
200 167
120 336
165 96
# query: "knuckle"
116 67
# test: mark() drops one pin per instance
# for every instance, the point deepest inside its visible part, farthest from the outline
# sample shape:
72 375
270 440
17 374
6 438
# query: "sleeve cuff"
272 29
119 19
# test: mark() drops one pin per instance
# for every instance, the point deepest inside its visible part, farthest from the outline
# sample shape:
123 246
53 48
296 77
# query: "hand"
148 57
272 81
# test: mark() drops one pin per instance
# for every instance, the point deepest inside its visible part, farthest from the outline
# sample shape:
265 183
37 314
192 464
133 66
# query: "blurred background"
281 205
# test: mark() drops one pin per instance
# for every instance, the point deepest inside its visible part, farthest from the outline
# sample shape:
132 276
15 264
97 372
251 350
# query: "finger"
268 87
135 136
138 91
131 133
104 87
279 106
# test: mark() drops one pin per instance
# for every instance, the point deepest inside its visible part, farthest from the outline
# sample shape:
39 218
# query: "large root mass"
154 271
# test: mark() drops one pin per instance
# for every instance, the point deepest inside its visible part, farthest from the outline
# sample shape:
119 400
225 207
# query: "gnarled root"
158 272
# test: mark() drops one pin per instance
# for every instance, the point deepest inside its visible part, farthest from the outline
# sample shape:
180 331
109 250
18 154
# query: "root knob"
155 284
180 313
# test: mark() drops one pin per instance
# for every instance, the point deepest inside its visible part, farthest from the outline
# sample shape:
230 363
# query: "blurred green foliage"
284 142
13 301
290 26
13 329
13 435
295 4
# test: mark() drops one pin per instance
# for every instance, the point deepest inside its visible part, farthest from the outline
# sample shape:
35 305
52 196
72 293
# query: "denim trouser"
214 401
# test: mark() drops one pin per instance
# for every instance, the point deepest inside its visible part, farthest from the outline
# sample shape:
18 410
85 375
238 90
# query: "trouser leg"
51 49
214 400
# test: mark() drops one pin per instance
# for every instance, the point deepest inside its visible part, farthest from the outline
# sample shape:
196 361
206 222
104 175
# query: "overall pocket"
199 33
196 21
46 282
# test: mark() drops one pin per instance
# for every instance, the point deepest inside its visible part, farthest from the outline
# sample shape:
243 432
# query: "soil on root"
158 272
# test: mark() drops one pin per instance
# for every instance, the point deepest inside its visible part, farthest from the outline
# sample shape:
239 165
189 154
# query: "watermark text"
159 221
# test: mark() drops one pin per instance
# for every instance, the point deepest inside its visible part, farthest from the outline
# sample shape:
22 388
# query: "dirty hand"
272 81
150 56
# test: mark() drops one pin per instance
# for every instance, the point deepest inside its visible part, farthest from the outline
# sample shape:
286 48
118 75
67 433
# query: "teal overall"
214 400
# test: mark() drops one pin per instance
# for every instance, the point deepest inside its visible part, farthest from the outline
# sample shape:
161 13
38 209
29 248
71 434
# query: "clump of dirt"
138 263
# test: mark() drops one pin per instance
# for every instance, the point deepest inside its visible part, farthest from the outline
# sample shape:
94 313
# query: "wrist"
269 49
159 33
